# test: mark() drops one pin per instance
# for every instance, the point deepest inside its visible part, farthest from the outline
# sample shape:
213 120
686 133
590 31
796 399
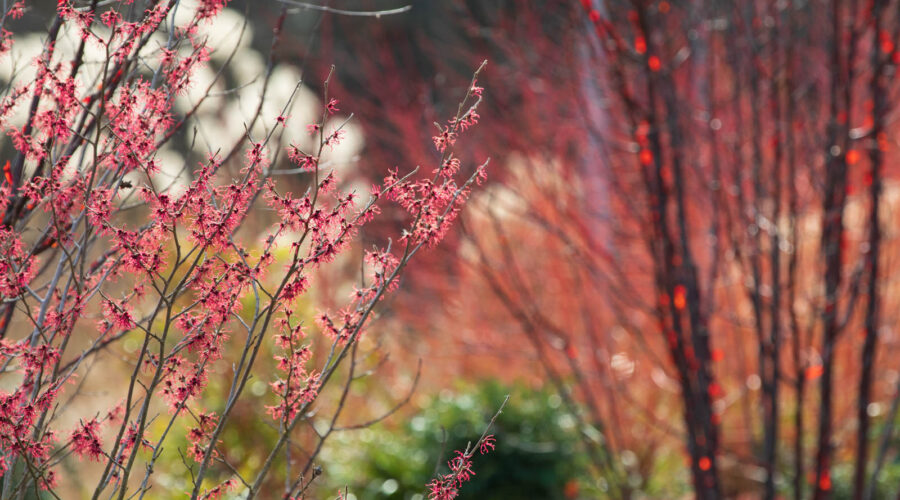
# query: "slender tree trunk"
867 360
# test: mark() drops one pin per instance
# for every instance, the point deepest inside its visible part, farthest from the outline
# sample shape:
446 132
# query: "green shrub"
538 452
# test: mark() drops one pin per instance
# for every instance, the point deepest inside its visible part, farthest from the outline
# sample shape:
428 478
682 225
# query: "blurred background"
681 268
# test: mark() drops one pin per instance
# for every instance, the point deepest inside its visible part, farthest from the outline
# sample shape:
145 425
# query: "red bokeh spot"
571 489
882 141
887 46
813 372
825 482
679 299
640 45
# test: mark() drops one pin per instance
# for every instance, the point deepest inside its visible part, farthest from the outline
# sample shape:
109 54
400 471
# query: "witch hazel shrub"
104 261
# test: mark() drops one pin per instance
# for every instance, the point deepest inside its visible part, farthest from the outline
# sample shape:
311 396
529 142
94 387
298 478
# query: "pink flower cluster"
446 487
299 386
95 252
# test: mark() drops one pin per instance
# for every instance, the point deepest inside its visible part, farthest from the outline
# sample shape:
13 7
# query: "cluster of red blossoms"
446 487
95 251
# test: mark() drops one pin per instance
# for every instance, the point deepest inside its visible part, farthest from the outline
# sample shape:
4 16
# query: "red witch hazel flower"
332 106
216 492
446 486
299 386
117 315
487 444
199 436
85 440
